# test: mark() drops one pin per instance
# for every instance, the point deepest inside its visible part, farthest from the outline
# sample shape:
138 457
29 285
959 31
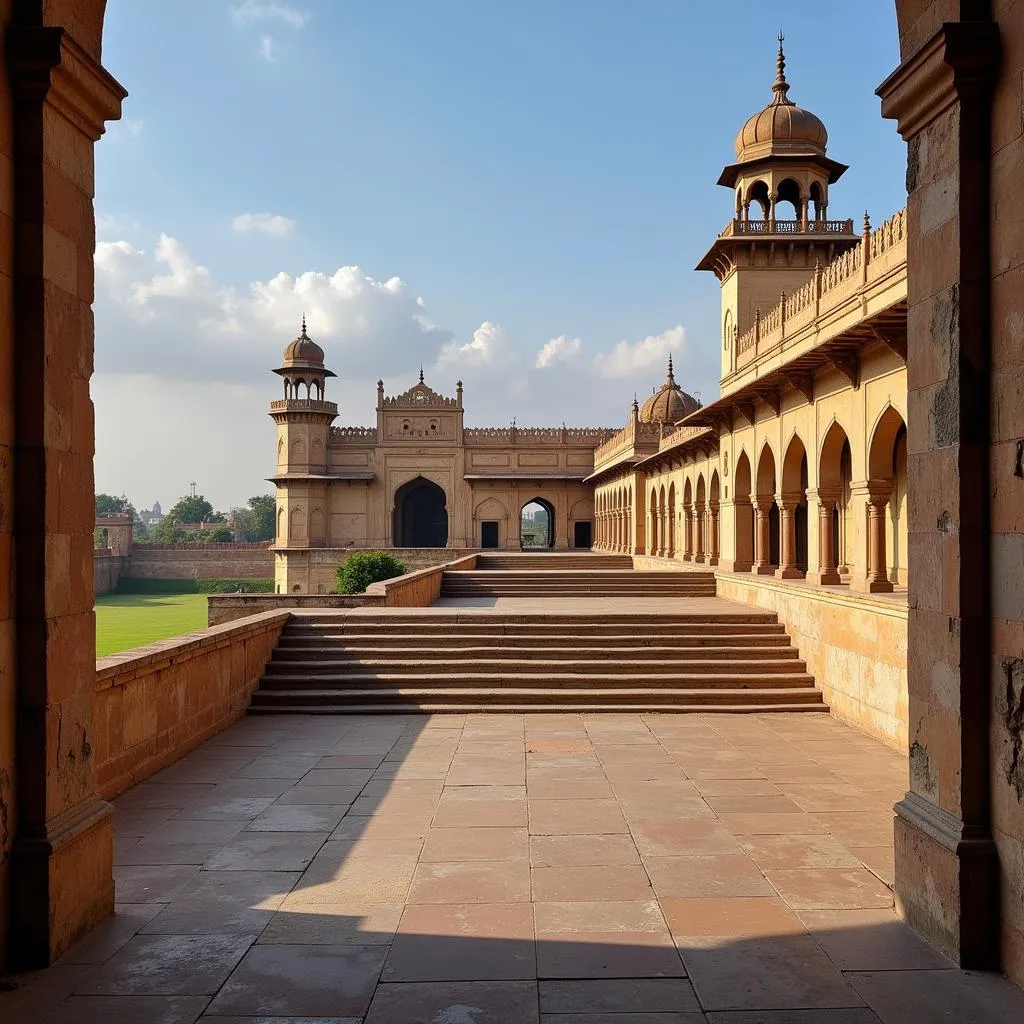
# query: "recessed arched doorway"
537 524
420 515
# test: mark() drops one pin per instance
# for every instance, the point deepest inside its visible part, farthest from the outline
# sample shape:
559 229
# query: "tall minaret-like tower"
303 421
780 228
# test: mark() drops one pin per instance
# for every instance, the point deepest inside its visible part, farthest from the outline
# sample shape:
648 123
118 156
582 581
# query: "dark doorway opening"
583 535
421 518
489 534
537 524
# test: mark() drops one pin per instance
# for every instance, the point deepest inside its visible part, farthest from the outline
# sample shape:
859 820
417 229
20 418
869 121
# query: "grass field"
130 620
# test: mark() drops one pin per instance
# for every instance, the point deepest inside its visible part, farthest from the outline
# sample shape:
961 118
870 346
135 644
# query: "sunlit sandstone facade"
418 479
959 831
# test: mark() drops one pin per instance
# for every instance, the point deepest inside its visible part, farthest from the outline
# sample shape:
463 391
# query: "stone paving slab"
509 869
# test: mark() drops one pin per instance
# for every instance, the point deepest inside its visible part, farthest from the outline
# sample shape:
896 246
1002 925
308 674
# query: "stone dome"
303 352
669 403
781 128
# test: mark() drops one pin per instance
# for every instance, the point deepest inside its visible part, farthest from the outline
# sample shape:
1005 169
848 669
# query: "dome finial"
780 86
671 377
421 373
303 326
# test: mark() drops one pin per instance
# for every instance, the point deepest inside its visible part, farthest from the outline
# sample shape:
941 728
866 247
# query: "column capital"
827 496
789 500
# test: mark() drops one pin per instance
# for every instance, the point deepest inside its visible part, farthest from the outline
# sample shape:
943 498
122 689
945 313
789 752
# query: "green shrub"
361 569
235 586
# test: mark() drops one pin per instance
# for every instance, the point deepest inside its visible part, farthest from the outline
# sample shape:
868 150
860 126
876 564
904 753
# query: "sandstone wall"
106 571
855 646
200 561
221 608
154 704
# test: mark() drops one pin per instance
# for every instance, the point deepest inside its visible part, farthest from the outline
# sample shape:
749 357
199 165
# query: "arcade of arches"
802 469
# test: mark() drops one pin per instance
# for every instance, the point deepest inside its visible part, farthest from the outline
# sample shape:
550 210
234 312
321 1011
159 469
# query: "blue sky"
526 171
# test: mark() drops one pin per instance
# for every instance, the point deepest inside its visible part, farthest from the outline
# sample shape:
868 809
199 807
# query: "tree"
108 505
245 532
264 512
193 508
222 535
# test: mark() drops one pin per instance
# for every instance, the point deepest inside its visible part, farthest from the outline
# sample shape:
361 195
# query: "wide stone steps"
372 652
550 706
581 583
547 561
319 645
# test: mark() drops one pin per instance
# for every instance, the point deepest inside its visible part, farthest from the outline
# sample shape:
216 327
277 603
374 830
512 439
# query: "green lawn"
131 620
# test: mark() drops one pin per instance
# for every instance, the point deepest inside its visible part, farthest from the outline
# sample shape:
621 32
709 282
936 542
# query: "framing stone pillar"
947 881
762 542
787 569
713 557
61 861
827 573
699 530
687 533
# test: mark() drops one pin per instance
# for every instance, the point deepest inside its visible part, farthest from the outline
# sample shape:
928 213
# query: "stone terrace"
502 869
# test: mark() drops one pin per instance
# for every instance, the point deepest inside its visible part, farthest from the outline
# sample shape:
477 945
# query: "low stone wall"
106 571
201 562
221 608
855 646
420 588
323 562
651 563
154 704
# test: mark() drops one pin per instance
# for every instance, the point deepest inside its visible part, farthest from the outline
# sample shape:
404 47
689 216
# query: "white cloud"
268 10
272 224
267 48
627 359
489 348
558 350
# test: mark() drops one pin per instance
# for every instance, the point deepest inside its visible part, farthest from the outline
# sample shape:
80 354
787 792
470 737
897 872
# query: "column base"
62 882
762 570
871 586
826 578
947 882
790 572
734 565
699 559
712 561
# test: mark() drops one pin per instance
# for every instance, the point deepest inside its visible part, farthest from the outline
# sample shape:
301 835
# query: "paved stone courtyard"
502 869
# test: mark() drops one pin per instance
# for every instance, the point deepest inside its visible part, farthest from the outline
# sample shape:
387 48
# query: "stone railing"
419 588
303 405
153 704
353 435
678 434
545 436
632 434
788 227
880 252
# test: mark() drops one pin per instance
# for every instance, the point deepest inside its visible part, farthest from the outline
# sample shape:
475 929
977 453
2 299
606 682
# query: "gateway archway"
537 524
420 515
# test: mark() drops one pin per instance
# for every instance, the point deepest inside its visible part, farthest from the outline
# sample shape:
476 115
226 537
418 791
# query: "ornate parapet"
353 435
589 437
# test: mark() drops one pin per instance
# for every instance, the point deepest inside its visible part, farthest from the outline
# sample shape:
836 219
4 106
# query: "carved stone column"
698 555
61 861
715 526
877 581
788 569
762 543
827 572
947 870
687 534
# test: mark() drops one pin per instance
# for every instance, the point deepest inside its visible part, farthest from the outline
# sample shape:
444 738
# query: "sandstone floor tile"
724 875
368 846
157 795
480 806
492 1002
467 844
149 851
879 860
664 1017
269 766
225 806
267 851
461 775
576 817
335 877
218 1019
471 882
617 954
395 804
835 796
224 903
332 796
617 996
107 938
753 805
428 790
645 771
729 918
599 916
871 940
831 1016
140 821
736 787
168 965
130 1010
830 888
685 838
371 761
739 771
925 997
280 817
302 981
575 882
198 769
211 831
333 924
151 883
859 828
546 789
782 972
338 777
798 851
772 824
463 942
631 753
353 827
583 851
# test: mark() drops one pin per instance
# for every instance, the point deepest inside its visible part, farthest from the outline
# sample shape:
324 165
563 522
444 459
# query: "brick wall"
106 571
200 561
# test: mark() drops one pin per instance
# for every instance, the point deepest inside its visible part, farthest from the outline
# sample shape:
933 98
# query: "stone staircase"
571 575
445 660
